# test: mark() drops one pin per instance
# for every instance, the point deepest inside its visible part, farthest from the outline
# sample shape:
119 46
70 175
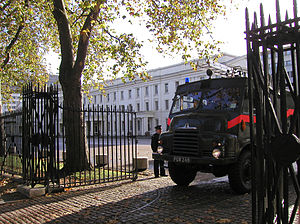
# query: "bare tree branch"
157 6
15 38
112 36
11 44
81 15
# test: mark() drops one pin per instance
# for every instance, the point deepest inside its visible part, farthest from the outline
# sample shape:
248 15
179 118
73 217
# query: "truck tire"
181 174
240 174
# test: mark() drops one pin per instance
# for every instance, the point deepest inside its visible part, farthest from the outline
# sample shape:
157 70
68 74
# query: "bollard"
141 163
101 160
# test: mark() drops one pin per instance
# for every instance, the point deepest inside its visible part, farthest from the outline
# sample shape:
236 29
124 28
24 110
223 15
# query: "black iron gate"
110 141
274 111
39 118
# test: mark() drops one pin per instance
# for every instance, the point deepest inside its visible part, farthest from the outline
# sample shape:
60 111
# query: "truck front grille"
206 150
186 142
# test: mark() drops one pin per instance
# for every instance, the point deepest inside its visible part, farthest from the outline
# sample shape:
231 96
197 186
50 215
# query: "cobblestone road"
147 200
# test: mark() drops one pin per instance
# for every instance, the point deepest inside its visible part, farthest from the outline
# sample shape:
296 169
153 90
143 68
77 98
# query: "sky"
229 30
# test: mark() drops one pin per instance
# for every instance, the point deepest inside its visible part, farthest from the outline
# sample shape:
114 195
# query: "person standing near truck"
158 164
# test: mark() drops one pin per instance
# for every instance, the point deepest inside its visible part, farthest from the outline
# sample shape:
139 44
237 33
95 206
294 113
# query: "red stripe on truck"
169 121
239 119
246 118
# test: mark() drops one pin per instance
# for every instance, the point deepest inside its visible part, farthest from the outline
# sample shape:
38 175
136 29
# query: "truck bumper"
193 160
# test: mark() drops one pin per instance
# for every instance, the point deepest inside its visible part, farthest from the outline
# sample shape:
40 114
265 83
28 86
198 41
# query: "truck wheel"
240 174
181 174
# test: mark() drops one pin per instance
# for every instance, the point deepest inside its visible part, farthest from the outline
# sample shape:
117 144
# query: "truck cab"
209 132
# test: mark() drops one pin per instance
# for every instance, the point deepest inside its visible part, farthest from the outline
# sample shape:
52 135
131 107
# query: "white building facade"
152 100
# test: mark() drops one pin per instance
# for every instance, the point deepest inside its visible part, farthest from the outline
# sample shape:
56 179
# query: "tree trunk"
70 73
76 145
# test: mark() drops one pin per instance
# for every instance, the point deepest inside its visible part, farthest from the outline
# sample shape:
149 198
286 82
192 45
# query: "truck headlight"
160 149
216 153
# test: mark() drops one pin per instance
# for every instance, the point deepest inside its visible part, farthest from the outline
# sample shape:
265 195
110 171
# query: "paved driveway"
147 200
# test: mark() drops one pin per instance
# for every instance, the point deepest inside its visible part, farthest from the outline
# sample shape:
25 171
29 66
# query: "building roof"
224 63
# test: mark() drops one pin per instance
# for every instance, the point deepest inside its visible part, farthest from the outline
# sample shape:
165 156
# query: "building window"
138 125
138 107
286 53
100 127
130 107
138 92
147 91
167 104
115 96
95 99
156 89
122 95
147 106
88 128
288 63
61 127
156 105
149 124
176 84
100 98
95 128
108 97
166 87
129 94
84 100
156 122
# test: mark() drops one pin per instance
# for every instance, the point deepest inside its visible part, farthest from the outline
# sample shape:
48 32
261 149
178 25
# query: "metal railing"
11 143
60 146
110 147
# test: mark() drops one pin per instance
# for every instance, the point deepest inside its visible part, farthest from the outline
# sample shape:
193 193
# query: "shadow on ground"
8 187
201 203
13 196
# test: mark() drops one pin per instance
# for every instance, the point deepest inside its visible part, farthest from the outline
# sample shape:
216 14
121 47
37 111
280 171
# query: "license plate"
181 159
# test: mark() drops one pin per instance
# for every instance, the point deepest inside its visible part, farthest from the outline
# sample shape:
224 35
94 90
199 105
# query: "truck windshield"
211 99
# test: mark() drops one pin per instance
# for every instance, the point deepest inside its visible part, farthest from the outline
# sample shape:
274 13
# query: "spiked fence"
42 154
275 143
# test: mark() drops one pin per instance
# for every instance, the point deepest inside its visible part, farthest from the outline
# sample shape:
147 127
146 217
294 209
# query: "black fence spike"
255 21
252 26
262 15
295 10
270 20
278 15
247 19
286 15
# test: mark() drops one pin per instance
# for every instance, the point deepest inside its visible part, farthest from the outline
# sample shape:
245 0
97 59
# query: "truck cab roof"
211 83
